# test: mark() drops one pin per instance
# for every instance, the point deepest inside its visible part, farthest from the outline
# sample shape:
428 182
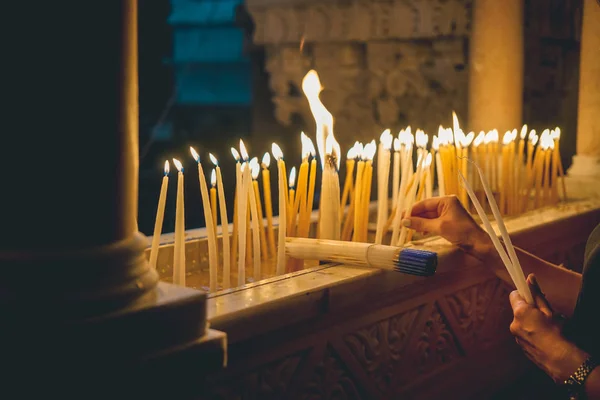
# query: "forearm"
560 285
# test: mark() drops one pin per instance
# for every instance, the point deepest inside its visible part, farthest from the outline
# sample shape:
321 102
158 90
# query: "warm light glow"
213 159
428 160
507 138
326 143
194 154
513 134
556 134
466 140
213 178
358 148
533 137
396 144
386 139
235 154
524 132
369 151
435 143
254 168
421 138
178 165
167 169
266 160
292 178
551 143
276 150
457 132
351 153
243 167
479 139
243 151
306 145
405 137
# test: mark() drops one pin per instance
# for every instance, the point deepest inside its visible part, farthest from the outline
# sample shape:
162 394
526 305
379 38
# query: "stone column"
586 163
80 306
496 65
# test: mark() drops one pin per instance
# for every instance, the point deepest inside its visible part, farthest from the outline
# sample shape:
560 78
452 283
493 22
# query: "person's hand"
539 335
446 217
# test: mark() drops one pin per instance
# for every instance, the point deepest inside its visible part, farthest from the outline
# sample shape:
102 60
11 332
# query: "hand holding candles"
210 227
179 247
224 225
160 214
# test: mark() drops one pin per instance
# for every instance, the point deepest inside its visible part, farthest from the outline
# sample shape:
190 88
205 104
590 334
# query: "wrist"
569 359
482 247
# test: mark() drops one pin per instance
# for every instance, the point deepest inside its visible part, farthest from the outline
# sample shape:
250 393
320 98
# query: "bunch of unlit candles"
523 171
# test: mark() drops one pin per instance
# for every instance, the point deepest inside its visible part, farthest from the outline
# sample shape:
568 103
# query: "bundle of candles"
524 174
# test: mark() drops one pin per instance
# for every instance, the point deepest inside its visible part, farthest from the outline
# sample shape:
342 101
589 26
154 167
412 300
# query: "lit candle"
407 154
547 188
291 197
306 207
358 193
282 188
242 216
477 155
160 215
236 200
210 224
329 151
254 168
179 246
396 171
540 156
505 166
255 171
383 177
299 202
411 197
266 179
561 171
428 179
213 197
224 225
533 138
370 150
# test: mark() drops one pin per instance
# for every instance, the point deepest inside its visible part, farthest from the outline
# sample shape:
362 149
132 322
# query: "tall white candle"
411 198
401 195
160 215
224 225
383 174
210 224
242 215
282 188
396 172
179 247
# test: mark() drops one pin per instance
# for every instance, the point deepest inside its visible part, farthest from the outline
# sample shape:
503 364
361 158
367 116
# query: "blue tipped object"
417 262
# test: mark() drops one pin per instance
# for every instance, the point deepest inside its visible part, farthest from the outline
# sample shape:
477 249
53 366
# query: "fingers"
422 224
538 296
517 302
427 205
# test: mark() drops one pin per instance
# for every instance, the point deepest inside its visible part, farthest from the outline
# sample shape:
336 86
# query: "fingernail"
406 223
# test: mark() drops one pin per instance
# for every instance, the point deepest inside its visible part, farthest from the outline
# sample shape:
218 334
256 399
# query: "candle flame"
386 139
524 132
178 165
243 151
556 134
254 168
369 151
351 153
266 160
292 179
276 150
479 139
326 143
405 136
306 145
435 143
533 137
213 159
358 149
213 178
459 135
396 144
235 154
243 167
546 140
467 140
167 168
507 138
427 161
195 154
421 138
